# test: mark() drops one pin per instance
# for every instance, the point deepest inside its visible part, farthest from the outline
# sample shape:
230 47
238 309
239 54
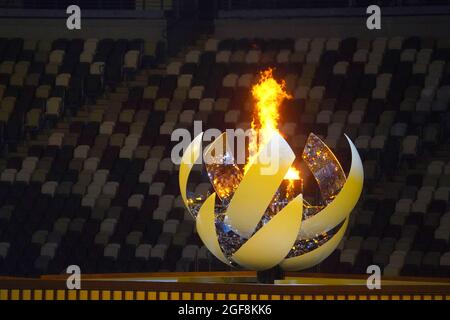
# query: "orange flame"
269 94
292 174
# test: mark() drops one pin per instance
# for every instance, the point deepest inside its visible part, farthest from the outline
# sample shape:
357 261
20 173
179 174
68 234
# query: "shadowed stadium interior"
86 176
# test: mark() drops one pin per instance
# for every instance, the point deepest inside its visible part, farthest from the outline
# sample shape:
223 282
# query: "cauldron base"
270 275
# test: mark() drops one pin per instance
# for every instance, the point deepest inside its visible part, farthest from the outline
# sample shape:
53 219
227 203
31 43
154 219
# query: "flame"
292 174
268 94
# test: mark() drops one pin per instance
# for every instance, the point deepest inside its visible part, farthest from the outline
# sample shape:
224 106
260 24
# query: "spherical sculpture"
253 219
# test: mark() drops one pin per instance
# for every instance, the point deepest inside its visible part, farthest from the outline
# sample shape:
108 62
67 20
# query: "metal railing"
226 5
297 4
89 4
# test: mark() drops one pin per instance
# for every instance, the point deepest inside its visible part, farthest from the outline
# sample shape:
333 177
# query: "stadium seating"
86 177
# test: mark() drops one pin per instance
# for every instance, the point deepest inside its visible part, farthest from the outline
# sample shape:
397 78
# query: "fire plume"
268 95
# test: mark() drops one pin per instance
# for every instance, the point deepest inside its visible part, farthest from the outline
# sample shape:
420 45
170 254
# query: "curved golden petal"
270 244
337 210
316 256
257 188
206 228
190 157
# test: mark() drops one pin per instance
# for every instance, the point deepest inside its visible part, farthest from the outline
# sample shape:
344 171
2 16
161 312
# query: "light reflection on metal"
324 166
222 171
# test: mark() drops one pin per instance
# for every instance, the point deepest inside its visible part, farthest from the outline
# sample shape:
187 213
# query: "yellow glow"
268 94
292 174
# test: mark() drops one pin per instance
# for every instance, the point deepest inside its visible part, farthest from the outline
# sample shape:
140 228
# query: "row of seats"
42 80
104 190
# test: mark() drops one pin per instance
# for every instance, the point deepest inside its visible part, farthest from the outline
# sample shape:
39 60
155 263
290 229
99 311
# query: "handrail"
238 288
332 12
86 14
